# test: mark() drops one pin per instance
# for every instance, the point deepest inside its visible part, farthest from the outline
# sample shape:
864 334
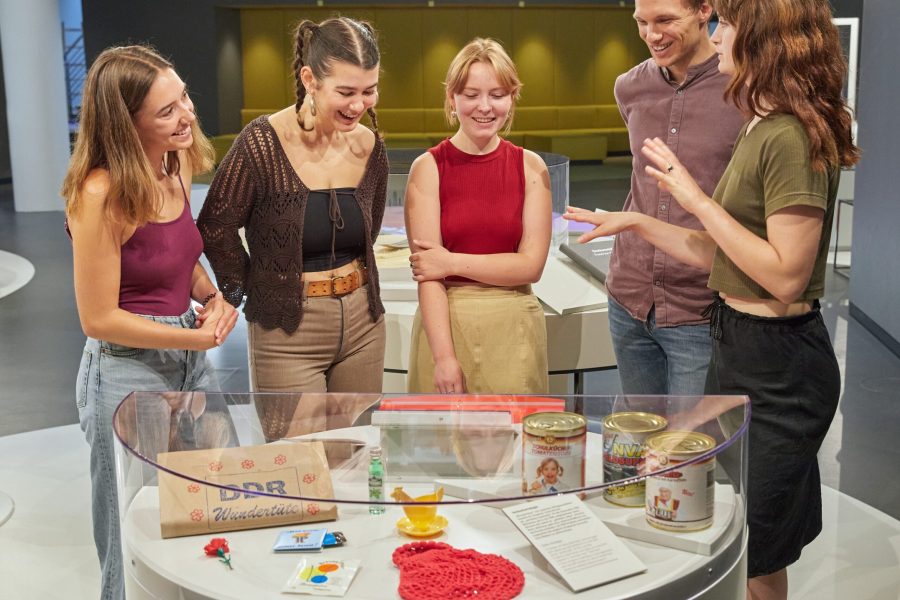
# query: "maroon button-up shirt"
700 127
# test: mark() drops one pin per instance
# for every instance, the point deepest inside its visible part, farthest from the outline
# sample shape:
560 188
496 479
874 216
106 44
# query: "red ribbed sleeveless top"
482 196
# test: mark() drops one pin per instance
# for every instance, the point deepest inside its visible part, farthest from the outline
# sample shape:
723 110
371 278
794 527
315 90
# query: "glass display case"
193 466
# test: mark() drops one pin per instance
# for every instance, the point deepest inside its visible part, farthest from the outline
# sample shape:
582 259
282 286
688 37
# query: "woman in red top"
478 219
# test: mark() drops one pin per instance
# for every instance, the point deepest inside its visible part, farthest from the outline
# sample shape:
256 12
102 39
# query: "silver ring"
670 168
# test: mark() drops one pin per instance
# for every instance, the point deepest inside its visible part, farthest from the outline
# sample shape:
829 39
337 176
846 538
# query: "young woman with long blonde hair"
136 252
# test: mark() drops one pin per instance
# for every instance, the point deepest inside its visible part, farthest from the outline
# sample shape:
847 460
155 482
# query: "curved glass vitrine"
183 457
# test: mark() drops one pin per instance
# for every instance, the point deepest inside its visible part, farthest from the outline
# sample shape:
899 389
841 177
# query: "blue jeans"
107 374
659 360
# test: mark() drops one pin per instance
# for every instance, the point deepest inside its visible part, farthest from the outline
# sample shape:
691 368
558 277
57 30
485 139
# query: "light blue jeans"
107 374
659 360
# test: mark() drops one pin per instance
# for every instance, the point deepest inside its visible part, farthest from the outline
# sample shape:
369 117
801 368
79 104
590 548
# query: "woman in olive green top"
768 225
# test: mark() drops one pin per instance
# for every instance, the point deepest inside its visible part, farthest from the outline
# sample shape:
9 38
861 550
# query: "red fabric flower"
219 547
214 545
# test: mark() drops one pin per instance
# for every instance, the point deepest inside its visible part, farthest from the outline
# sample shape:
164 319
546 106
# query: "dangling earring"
312 105
453 114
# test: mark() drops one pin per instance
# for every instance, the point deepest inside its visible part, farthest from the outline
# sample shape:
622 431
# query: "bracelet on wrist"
208 297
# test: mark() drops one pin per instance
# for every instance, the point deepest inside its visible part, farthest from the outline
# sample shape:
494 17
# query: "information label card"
574 541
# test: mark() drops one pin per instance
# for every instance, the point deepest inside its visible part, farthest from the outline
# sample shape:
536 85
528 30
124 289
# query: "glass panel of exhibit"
667 472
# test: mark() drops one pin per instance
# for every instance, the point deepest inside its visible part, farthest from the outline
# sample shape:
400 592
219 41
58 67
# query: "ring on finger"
670 168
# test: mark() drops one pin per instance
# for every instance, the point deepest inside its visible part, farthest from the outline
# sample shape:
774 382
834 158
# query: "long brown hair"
318 45
788 59
115 88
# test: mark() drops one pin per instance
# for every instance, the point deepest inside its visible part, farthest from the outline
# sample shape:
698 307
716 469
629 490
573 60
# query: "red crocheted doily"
437 571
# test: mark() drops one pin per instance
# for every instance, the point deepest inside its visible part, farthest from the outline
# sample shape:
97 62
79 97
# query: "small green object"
376 480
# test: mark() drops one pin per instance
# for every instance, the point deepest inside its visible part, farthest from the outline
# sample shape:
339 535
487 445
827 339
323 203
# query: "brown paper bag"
294 469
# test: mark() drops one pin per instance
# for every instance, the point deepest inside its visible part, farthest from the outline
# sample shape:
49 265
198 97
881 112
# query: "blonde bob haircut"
488 51
114 91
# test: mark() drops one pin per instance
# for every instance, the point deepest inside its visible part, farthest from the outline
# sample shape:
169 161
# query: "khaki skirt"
500 339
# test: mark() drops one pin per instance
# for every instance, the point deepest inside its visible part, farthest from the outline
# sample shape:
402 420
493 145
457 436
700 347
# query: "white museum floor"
46 550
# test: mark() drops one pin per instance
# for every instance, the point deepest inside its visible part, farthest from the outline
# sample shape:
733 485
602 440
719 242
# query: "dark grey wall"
875 276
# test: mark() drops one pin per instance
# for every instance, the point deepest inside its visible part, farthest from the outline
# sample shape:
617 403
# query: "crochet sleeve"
380 198
229 202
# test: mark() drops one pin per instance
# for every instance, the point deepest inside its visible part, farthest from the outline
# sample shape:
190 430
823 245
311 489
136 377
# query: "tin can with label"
623 453
683 499
553 446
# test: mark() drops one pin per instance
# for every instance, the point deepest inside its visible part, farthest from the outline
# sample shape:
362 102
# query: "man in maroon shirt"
660 335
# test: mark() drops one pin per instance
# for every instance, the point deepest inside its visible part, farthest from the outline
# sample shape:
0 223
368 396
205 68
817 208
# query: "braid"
302 37
371 112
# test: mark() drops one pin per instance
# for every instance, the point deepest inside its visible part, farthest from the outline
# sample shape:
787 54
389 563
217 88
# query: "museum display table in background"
455 444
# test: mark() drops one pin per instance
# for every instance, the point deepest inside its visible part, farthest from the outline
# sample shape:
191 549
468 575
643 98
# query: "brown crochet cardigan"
256 188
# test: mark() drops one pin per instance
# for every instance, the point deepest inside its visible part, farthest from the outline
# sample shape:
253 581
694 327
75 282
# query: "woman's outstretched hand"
671 175
606 223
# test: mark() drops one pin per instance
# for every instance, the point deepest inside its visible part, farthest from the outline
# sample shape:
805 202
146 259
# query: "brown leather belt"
336 286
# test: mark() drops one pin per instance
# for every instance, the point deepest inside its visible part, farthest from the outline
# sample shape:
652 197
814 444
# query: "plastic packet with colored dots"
322 577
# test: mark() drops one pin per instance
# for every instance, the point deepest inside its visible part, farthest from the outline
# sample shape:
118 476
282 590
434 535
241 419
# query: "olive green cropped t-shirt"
770 169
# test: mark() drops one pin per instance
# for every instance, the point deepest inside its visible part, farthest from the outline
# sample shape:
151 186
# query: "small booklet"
574 541
322 578
300 540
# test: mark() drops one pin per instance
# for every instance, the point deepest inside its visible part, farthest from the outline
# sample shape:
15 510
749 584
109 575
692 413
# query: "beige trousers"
337 348
500 339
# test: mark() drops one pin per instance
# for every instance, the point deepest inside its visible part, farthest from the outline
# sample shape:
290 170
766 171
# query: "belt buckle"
334 292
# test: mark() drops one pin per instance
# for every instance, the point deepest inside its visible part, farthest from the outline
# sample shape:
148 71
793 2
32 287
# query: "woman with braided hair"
308 185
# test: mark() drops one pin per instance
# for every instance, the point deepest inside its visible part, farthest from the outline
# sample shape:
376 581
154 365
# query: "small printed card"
322 577
334 538
300 540
574 541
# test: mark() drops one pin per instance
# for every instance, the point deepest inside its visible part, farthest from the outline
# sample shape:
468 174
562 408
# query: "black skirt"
786 365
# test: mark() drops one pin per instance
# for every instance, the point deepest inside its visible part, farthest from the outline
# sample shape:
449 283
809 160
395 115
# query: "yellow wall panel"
573 61
401 49
494 23
532 50
263 48
446 33
565 56
615 51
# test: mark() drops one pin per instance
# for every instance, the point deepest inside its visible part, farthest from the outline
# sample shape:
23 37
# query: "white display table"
176 568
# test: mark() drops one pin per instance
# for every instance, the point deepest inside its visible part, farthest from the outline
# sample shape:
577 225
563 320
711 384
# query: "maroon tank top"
481 197
157 265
